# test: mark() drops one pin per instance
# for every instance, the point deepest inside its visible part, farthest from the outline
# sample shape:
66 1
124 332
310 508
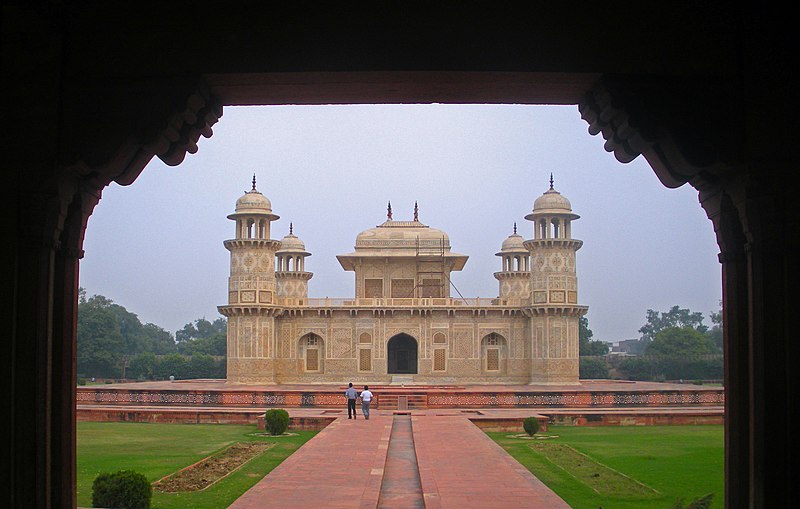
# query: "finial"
254 181
416 212
515 227
389 212
551 180
291 229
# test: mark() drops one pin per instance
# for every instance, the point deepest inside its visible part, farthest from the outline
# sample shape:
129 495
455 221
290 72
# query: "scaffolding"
431 276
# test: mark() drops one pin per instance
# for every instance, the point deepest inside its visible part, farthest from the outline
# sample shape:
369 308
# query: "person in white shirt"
366 398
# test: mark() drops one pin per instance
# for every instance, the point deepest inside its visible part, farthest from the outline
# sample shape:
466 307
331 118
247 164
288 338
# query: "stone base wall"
453 347
555 371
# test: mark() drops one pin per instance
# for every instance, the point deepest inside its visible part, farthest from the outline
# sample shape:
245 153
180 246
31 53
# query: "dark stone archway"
699 90
402 355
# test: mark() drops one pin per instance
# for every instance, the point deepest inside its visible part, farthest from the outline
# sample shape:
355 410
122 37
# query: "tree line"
674 345
114 343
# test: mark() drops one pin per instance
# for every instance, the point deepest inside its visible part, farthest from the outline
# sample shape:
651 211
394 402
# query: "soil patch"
206 472
601 479
537 436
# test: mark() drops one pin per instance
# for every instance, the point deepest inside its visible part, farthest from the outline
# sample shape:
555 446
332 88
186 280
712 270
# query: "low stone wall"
189 416
507 425
638 419
231 398
301 423
173 415
436 398
576 399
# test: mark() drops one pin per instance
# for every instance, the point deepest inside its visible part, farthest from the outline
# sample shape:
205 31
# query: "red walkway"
343 467
460 466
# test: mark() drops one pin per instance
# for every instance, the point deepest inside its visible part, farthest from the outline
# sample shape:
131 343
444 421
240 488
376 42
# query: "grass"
157 450
608 466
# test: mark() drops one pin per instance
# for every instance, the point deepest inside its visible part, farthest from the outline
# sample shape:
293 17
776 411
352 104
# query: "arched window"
556 228
493 353
250 224
312 353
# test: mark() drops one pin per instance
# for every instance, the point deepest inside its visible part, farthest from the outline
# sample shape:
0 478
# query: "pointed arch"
311 352
494 354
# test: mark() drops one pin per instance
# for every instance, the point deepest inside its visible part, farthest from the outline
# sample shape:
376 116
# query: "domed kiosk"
402 259
290 268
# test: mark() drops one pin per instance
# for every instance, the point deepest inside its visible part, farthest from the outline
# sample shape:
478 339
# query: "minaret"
290 270
554 291
515 276
252 292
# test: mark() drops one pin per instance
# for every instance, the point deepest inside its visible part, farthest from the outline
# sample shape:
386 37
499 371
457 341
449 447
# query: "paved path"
460 466
343 467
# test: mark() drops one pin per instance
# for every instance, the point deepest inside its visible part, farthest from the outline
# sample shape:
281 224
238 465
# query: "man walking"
366 398
351 395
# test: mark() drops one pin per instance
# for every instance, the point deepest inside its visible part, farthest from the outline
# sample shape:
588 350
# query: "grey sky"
156 247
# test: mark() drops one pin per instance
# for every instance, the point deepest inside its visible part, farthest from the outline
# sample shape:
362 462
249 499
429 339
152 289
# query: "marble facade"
402 325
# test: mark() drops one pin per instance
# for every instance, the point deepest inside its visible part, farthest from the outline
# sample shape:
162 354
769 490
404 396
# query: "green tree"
101 345
593 368
675 317
715 332
586 345
143 366
110 337
203 337
680 342
201 366
173 364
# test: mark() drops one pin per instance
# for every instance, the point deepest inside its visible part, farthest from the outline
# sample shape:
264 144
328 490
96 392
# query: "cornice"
532 244
250 243
289 274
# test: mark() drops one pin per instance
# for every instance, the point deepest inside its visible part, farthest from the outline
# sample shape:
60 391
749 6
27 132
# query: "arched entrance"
402 355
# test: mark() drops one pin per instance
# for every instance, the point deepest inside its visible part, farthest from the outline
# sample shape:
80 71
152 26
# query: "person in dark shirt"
351 395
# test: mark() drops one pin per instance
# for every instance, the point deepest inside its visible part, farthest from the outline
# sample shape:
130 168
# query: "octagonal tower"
252 295
554 291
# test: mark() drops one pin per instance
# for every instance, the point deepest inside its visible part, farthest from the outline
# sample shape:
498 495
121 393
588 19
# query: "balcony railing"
403 302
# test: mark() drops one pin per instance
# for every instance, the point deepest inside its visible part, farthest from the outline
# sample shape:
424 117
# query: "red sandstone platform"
588 394
314 406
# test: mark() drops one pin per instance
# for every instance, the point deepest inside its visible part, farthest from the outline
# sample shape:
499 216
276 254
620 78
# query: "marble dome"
401 234
552 201
514 243
291 243
253 202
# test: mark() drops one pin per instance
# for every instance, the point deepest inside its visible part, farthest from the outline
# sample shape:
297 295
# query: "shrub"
124 489
276 421
531 425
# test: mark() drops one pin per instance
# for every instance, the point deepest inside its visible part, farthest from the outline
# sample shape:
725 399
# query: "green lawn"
157 450
625 467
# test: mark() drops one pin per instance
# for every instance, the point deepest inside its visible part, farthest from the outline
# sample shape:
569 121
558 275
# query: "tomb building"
402 324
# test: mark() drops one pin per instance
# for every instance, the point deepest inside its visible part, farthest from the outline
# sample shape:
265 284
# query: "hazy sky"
155 247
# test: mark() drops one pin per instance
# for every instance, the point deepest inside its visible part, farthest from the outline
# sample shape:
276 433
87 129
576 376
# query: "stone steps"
403 401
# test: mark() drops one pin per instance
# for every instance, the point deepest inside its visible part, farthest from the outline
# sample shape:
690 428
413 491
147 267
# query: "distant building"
402 325
628 347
